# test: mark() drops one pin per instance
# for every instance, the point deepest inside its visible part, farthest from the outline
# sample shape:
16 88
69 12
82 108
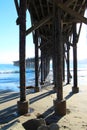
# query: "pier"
54 30
29 63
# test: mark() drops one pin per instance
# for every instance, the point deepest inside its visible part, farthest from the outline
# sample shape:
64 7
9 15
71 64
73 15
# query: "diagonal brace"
71 12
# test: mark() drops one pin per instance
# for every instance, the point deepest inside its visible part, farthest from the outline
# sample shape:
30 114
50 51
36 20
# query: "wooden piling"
68 63
42 67
75 88
36 63
63 63
59 103
22 45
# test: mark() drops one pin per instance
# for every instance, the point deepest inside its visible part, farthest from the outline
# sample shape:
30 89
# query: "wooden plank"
39 24
71 12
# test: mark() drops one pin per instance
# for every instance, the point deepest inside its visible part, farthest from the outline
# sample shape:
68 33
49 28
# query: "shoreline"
10 77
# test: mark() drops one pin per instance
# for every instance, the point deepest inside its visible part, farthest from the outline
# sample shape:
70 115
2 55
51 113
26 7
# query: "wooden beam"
69 2
39 24
44 37
79 31
46 43
41 8
70 21
82 5
71 12
48 8
36 11
17 6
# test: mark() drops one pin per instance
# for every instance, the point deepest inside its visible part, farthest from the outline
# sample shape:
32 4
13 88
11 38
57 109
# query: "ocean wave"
9 80
8 72
15 72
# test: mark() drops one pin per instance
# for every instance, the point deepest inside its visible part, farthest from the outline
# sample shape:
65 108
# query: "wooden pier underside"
54 29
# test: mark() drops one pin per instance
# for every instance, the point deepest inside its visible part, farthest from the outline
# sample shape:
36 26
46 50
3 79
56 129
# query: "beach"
43 86
41 103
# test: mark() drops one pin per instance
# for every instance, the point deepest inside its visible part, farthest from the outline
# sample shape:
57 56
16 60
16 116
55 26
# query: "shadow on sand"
10 113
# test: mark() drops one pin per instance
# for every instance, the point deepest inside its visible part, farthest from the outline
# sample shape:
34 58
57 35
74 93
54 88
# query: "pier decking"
54 29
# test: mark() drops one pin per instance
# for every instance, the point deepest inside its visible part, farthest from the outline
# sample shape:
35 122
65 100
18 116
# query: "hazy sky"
9 35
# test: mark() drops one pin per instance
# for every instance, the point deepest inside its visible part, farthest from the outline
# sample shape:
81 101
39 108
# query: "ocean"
9 76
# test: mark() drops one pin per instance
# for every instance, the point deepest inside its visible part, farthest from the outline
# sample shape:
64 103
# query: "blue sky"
9 35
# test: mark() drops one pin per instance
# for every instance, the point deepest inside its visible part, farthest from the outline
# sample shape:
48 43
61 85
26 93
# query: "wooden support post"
53 65
44 63
36 63
45 68
68 64
59 103
54 54
48 65
53 70
22 104
17 6
75 89
63 63
42 68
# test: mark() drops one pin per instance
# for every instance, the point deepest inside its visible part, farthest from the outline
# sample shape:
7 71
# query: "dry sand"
41 103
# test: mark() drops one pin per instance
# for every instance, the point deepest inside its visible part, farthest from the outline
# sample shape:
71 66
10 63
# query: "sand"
41 103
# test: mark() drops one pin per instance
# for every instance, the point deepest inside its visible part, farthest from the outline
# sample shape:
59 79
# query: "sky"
82 43
9 35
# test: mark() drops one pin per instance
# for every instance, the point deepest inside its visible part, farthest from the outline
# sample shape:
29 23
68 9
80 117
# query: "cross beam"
71 12
39 24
